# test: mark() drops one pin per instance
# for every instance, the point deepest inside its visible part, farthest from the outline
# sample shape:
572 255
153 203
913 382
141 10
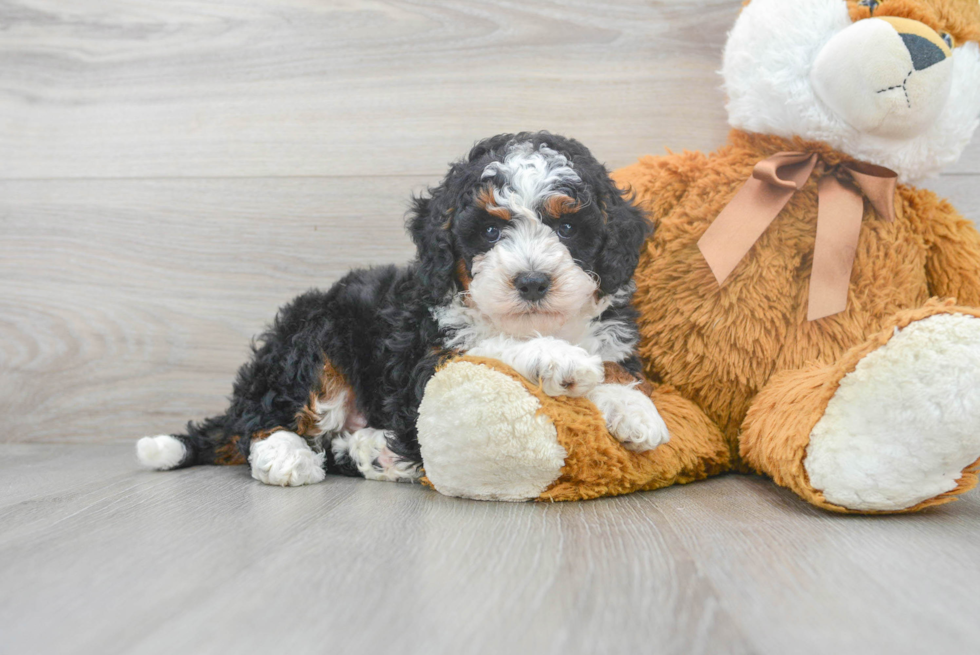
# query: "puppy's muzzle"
532 285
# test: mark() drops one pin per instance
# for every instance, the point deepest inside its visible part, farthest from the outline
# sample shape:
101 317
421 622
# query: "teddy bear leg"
893 427
487 433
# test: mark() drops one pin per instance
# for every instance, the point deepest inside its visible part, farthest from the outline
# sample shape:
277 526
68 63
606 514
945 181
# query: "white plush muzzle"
889 77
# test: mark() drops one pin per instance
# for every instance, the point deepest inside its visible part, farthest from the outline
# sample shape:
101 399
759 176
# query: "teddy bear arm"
487 433
953 259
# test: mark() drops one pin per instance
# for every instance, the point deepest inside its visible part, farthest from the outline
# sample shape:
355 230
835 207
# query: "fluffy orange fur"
721 345
740 351
959 18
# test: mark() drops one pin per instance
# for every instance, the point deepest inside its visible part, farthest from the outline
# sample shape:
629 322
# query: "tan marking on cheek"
462 275
559 205
484 199
332 382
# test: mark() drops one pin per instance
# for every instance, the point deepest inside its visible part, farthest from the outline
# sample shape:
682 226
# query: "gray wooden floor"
172 171
97 557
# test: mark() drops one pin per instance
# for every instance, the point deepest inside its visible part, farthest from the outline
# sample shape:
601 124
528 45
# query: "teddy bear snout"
888 76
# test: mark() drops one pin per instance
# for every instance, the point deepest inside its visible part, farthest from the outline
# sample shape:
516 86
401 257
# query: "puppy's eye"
566 230
491 233
947 38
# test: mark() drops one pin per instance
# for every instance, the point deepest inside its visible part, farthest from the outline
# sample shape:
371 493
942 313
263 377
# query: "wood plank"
969 162
45 473
961 190
255 88
206 560
200 558
798 579
127 306
134 88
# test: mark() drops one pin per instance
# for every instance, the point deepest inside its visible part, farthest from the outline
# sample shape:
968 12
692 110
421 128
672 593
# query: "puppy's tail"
207 442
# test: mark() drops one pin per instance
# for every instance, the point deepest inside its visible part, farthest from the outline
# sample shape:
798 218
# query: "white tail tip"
161 453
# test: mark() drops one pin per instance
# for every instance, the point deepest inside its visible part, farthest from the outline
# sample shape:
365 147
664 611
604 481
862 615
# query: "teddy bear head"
892 82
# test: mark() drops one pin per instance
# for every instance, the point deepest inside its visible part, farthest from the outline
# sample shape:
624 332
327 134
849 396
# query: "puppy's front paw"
630 416
567 370
284 459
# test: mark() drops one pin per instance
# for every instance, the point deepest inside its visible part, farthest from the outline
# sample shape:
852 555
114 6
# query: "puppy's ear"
627 228
430 224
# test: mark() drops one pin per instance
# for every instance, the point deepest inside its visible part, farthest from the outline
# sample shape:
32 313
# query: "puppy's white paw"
161 453
286 460
561 368
566 370
368 449
630 416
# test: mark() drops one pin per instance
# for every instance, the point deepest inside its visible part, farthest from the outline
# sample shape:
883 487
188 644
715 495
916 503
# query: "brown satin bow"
759 201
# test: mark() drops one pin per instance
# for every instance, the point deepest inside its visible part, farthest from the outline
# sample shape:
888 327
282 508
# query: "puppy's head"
531 230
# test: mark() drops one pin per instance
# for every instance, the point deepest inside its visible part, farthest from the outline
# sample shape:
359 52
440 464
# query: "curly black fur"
376 325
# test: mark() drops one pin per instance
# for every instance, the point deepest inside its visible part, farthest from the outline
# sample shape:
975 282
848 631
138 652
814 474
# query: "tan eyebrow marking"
559 205
484 199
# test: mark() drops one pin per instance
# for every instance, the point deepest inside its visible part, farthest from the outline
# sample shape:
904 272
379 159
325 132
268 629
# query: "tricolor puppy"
525 254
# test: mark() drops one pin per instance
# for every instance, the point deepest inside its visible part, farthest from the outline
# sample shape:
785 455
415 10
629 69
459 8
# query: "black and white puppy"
525 254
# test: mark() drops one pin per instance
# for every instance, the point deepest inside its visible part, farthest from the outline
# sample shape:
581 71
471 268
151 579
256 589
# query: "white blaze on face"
528 245
532 176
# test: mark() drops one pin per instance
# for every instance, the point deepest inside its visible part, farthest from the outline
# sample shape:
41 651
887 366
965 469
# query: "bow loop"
773 182
786 170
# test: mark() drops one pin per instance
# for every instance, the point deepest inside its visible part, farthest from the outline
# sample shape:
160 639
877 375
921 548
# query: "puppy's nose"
532 285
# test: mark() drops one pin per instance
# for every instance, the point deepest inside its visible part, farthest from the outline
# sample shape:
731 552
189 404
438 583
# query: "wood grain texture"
208 561
126 306
136 88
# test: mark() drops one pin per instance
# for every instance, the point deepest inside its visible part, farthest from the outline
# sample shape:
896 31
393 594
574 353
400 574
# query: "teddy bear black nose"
532 285
924 52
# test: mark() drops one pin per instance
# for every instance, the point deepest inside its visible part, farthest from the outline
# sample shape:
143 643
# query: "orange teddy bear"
802 316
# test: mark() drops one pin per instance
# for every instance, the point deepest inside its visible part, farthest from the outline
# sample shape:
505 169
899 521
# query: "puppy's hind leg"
366 450
285 457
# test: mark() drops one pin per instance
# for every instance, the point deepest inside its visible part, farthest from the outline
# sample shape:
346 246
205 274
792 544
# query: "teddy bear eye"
870 4
947 38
